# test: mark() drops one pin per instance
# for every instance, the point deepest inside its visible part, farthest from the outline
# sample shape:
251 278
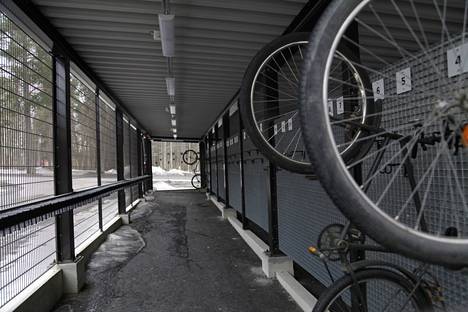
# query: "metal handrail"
26 214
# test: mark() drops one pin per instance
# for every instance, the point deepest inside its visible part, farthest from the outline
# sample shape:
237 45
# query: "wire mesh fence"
108 138
85 222
26 130
26 254
83 133
109 209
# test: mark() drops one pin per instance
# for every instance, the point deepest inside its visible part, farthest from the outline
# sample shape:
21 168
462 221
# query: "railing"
28 240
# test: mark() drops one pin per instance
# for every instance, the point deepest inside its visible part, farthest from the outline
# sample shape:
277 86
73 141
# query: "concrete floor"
177 255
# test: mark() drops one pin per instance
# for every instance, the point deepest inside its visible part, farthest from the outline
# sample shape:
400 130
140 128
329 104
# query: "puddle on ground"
118 248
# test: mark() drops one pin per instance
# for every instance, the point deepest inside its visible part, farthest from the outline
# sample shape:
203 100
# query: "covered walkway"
192 260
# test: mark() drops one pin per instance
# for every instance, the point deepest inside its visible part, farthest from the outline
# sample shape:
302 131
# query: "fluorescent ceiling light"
170 84
166 30
172 109
173 122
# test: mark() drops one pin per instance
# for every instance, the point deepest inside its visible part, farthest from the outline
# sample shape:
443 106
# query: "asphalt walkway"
177 255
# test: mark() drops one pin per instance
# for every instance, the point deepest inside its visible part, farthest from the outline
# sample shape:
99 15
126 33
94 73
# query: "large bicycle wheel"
412 185
190 157
269 102
269 99
373 290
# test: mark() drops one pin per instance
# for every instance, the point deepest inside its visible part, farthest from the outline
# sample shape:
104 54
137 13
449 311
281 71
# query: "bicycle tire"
334 174
330 300
196 181
247 111
253 126
187 159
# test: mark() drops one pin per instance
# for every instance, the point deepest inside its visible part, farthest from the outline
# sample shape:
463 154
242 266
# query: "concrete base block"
74 275
225 212
273 265
303 298
125 217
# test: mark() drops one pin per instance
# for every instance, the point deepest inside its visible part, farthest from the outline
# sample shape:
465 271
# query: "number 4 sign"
403 80
456 60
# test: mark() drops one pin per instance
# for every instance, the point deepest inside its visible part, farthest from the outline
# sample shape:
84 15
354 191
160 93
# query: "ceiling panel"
215 40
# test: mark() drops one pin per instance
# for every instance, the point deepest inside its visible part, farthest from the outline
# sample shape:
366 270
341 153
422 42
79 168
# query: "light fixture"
170 85
173 122
166 30
172 109
174 130
175 136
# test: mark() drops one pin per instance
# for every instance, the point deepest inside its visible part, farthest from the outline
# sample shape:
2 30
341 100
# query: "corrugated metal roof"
215 40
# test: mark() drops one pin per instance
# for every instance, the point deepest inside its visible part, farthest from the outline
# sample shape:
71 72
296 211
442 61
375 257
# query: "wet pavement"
177 255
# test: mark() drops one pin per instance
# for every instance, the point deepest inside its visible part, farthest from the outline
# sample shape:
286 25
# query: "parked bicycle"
191 157
417 100
369 284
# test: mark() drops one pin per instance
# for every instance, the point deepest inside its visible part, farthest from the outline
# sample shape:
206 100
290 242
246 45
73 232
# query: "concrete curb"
279 267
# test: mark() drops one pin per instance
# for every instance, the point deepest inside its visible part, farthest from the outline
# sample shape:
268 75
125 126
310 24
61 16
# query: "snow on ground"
173 179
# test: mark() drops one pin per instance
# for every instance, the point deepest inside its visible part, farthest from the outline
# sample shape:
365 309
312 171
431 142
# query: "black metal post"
216 139
98 155
149 163
140 162
225 159
241 169
120 157
202 150
272 93
273 238
65 236
210 161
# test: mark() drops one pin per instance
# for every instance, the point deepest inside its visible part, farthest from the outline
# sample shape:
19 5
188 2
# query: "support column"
210 161
120 157
225 159
98 155
140 163
149 163
272 93
73 268
202 150
216 139
241 167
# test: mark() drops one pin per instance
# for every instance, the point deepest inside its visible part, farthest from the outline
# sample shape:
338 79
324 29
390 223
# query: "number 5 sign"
403 81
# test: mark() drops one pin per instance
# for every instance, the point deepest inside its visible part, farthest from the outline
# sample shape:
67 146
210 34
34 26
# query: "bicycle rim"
270 99
380 293
417 190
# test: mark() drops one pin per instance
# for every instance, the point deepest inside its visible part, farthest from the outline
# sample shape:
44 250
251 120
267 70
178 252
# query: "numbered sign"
456 60
330 107
290 124
236 139
340 105
403 80
275 129
283 126
378 89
